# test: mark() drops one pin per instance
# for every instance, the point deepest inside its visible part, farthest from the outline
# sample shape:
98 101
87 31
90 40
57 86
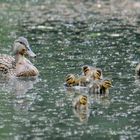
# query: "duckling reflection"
92 72
81 107
100 87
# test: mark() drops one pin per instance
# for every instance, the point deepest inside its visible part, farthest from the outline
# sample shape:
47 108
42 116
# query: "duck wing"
6 63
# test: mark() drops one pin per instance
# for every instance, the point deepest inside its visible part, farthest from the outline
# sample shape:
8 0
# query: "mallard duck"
81 102
72 80
18 66
100 87
92 72
137 70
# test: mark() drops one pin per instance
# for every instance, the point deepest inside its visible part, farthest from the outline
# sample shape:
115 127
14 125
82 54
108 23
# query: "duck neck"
19 58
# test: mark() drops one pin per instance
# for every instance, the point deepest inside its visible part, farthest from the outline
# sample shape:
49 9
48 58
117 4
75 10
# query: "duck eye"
21 43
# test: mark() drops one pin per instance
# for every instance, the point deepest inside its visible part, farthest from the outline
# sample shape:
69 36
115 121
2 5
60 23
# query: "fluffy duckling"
92 72
18 66
100 87
137 70
81 102
81 108
72 80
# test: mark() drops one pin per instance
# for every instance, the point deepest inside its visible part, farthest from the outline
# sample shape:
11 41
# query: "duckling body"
18 66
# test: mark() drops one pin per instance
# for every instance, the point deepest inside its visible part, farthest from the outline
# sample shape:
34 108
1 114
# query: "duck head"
21 47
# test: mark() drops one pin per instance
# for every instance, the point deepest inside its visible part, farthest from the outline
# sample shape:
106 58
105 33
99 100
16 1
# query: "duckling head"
97 74
83 100
86 69
107 83
21 46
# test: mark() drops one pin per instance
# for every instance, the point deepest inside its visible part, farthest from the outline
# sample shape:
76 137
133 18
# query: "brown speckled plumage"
18 65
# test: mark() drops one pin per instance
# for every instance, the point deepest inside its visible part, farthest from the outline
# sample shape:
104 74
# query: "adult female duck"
18 66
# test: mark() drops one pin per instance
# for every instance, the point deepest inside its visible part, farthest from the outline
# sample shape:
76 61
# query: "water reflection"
66 35
18 87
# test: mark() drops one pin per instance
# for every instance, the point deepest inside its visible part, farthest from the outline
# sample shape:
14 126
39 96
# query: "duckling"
100 87
72 80
105 85
81 102
137 70
81 107
92 72
18 66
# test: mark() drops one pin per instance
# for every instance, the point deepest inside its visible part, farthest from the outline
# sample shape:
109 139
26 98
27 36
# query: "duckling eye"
86 70
68 79
99 73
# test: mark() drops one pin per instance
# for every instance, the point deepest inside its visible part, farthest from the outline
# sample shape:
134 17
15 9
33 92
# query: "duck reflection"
19 88
21 85
81 107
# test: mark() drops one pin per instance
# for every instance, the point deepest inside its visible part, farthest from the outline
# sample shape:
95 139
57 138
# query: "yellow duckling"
72 80
18 66
92 72
81 102
81 108
100 87
137 70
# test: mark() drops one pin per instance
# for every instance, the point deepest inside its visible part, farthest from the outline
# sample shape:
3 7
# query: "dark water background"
66 35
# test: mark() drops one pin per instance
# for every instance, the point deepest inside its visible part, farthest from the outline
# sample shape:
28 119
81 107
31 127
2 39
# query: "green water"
66 35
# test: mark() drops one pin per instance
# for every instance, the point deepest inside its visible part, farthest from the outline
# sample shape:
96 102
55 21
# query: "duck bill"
31 53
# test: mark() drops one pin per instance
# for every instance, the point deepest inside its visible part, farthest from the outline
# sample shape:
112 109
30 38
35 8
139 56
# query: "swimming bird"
92 72
18 65
100 87
72 80
81 102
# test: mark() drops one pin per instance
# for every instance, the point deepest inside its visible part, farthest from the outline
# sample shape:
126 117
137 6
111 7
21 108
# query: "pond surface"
66 35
